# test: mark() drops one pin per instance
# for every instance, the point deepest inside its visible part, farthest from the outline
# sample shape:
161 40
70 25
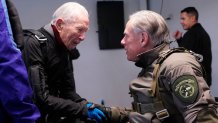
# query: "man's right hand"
177 34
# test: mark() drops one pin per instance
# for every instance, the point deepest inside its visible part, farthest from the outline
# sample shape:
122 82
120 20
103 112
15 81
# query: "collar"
195 25
57 36
148 57
52 30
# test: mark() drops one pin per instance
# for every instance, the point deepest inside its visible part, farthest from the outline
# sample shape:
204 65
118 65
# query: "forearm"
53 103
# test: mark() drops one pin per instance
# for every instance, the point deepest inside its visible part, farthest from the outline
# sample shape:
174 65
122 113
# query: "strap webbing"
155 80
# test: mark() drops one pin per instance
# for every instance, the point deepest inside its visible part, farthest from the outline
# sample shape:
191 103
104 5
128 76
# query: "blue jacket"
16 104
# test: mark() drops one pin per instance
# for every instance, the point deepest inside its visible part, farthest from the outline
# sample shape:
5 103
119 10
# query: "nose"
82 36
181 21
122 41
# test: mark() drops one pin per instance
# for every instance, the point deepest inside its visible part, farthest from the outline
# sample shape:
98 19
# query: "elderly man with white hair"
48 57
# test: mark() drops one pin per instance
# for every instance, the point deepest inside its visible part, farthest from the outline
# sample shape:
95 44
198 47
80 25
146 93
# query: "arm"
190 93
187 41
177 35
67 88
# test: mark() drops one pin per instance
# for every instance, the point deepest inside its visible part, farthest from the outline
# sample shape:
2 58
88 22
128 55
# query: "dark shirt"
198 40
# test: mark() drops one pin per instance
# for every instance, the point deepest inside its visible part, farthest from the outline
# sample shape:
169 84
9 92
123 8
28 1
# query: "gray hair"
152 23
69 12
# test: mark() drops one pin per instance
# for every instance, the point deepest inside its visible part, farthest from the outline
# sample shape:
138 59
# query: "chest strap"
157 108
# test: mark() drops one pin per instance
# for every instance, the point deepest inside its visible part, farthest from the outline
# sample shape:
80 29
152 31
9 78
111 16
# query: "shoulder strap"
36 34
160 60
165 55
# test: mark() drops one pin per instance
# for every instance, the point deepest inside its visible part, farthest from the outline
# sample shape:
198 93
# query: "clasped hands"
101 114
95 113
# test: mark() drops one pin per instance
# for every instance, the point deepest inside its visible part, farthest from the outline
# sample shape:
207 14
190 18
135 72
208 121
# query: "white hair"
152 23
69 12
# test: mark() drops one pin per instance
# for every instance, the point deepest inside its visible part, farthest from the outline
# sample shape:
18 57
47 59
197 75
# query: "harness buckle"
162 114
40 38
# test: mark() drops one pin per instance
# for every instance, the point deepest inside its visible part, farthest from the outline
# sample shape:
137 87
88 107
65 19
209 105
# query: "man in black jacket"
49 63
195 39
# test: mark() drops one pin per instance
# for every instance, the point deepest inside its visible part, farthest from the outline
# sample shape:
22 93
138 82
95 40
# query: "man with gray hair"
170 87
48 56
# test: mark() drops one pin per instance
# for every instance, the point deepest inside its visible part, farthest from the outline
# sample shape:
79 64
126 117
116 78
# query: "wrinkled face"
132 43
73 33
186 20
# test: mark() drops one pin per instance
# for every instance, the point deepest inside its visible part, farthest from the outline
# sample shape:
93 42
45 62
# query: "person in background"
170 87
16 105
195 39
50 68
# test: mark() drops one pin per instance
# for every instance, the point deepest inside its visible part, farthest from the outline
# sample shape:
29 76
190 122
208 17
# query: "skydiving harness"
157 107
37 35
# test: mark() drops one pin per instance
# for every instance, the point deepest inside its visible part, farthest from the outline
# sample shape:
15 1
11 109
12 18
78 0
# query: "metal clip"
198 57
40 39
162 114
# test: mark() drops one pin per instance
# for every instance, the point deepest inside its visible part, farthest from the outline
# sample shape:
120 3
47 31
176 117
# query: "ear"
145 39
59 24
193 18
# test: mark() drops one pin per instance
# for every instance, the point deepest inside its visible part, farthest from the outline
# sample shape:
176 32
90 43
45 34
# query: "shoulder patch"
186 88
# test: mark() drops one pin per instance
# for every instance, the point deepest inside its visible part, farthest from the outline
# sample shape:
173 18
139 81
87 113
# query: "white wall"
99 74
207 17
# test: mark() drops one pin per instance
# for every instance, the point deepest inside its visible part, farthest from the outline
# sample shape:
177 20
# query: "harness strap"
36 34
155 81
157 108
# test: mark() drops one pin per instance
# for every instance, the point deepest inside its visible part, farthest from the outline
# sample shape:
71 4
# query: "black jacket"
51 75
197 40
